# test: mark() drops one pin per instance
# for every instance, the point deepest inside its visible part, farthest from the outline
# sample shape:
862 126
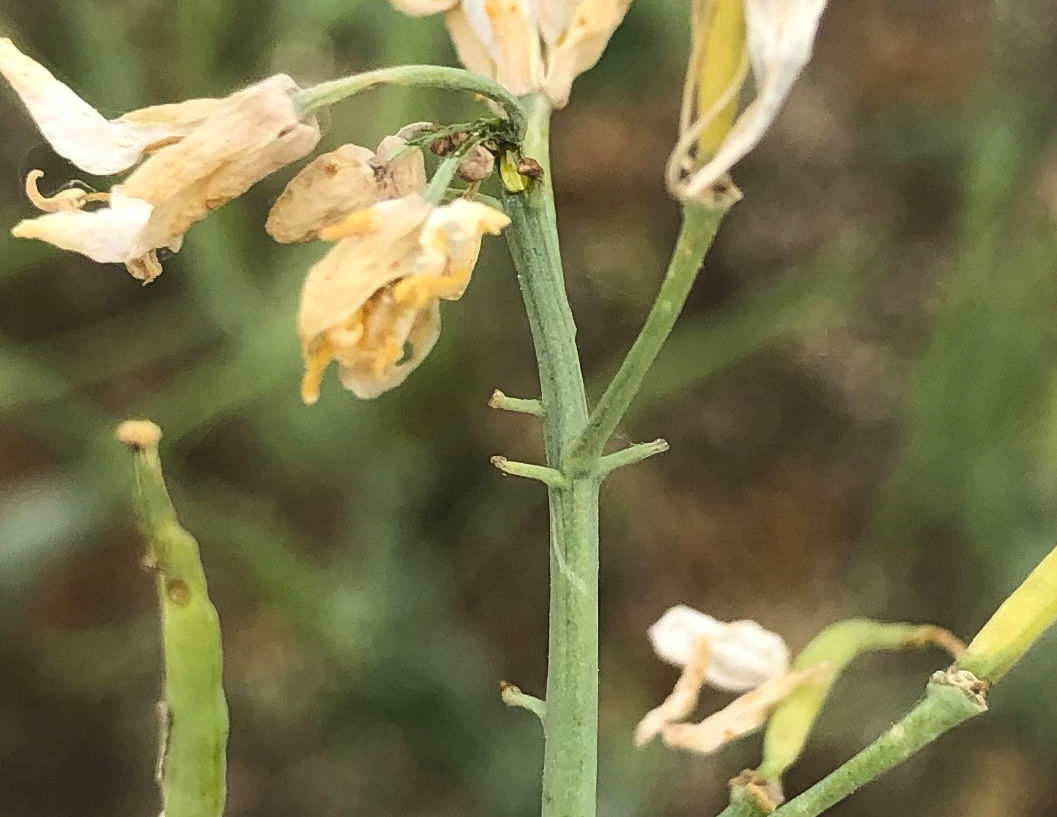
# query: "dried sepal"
742 716
78 132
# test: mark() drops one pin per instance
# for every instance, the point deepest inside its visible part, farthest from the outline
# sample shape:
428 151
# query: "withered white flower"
372 304
527 45
78 132
201 153
775 38
733 657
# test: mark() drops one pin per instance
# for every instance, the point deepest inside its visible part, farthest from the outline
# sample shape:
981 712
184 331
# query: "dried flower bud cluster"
201 154
739 656
527 45
775 39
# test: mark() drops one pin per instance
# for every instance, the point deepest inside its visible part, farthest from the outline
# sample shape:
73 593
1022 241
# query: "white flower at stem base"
527 45
202 153
779 37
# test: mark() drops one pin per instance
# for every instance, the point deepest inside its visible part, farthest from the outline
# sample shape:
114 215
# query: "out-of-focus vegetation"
861 401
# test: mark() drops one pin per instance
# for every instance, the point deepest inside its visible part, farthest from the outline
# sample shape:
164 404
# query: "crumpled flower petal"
504 39
343 181
78 132
780 36
257 131
509 31
110 235
581 45
372 303
740 717
743 654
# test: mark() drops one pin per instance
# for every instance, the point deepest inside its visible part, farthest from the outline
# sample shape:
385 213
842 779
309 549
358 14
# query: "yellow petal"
451 241
253 133
113 234
367 383
360 265
555 16
582 45
78 132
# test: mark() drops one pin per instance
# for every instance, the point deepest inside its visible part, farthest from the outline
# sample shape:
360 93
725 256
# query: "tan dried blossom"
343 181
527 45
372 304
202 153
774 38
734 657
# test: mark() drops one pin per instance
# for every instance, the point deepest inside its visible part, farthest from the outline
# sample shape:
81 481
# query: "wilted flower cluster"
739 656
200 154
775 39
527 45
371 304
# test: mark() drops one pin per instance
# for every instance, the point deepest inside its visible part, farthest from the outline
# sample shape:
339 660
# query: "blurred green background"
861 401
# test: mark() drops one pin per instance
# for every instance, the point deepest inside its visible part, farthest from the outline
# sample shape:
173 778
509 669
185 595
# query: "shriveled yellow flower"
527 45
202 153
774 38
372 303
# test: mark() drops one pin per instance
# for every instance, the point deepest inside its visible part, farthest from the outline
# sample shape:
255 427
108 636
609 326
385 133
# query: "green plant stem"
700 223
952 698
432 76
570 724
192 759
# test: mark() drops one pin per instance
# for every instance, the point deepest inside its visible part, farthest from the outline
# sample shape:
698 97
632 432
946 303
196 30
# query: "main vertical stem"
570 759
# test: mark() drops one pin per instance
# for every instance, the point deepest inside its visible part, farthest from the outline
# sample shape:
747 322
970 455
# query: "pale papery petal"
422 8
328 188
472 50
377 243
508 29
420 339
254 133
582 45
78 132
402 170
109 235
781 36
555 16
742 716
743 654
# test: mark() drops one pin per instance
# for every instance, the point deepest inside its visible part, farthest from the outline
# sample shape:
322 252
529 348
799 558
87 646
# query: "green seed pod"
192 762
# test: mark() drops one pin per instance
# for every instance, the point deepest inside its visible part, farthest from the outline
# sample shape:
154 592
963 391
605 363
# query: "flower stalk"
328 93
